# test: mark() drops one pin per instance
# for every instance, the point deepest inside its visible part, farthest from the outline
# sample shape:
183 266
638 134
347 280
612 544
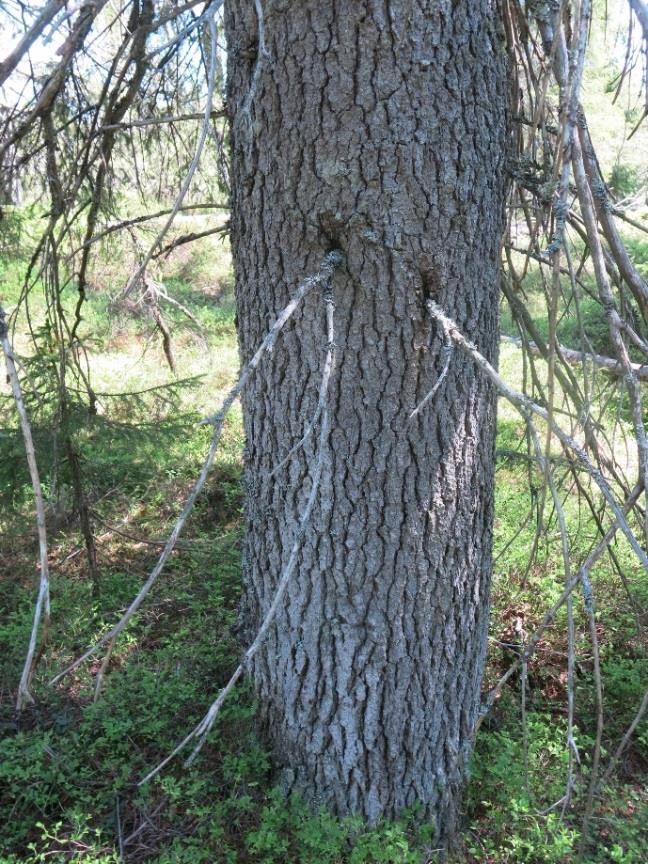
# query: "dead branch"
159 121
201 731
204 130
46 16
550 615
526 405
578 358
331 262
42 607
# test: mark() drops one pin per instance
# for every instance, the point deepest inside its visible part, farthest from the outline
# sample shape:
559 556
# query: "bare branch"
550 615
201 731
606 364
46 16
42 608
211 83
159 121
526 405
331 262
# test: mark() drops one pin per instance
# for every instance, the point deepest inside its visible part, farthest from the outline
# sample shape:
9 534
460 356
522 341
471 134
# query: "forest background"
119 460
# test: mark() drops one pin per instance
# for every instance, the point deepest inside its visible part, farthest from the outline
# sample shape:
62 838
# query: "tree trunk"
378 128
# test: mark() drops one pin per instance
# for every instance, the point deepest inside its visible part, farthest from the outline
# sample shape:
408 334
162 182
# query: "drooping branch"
528 406
202 730
211 84
640 9
331 262
42 606
88 12
550 615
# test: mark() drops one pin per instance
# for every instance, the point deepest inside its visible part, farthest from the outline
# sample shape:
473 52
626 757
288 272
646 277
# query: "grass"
69 766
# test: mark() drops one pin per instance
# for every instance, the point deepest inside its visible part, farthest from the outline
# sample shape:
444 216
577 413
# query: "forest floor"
69 766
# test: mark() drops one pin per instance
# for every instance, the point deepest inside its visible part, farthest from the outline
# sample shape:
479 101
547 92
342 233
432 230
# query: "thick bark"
378 128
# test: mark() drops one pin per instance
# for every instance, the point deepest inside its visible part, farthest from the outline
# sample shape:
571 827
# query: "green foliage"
290 831
583 328
621 832
638 250
625 684
18 225
511 800
590 333
624 180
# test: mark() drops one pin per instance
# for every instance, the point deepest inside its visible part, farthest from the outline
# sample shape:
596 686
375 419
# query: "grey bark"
378 128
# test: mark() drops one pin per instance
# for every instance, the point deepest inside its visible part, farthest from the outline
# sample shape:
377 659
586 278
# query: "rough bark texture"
377 127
